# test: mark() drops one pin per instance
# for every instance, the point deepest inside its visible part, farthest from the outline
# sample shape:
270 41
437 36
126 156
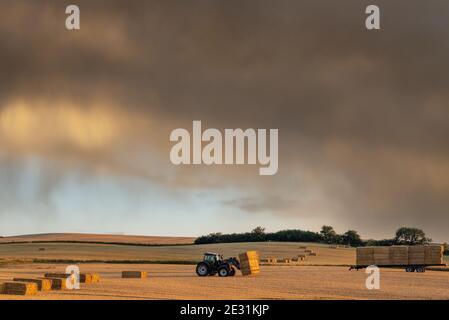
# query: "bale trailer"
412 258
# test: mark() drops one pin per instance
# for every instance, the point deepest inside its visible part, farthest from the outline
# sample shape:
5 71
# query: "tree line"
403 236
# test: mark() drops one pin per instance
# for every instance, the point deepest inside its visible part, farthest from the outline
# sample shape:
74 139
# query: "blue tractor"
214 263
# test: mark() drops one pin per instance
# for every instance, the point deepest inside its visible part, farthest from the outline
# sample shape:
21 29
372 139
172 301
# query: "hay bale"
19 288
57 283
416 255
398 255
365 256
42 284
433 254
57 275
95 277
249 263
83 277
381 256
134 274
313 254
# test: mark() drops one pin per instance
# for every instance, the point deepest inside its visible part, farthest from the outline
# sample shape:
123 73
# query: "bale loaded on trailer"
411 258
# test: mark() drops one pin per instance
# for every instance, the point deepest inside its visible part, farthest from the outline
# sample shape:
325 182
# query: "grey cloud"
363 116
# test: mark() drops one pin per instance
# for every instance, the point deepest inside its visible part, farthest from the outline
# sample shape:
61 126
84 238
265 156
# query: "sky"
86 115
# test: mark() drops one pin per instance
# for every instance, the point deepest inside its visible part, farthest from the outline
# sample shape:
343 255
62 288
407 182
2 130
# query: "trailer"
408 268
412 258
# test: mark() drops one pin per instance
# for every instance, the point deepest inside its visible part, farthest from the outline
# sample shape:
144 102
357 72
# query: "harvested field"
273 282
103 252
107 238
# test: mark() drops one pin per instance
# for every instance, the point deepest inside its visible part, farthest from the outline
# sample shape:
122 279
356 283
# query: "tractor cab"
212 258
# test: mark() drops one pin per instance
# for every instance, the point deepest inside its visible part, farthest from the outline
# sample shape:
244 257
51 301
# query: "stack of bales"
400 255
249 263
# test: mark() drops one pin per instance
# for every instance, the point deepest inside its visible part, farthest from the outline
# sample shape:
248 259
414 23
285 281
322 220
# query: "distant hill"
97 238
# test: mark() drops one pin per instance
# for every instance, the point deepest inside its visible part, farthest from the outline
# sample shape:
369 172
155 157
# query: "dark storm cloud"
363 116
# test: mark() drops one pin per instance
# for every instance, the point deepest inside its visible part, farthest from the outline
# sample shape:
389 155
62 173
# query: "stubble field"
324 276
274 282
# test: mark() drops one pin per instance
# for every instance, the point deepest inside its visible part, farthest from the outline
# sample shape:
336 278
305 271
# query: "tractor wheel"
202 269
223 272
409 269
232 272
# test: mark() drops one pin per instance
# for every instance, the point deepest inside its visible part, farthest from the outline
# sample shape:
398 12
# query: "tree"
258 234
411 236
329 235
258 231
352 238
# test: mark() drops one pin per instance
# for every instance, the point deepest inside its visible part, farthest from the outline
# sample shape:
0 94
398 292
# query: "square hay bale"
433 254
417 250
57 275
95 277
398 255
57 283
42 284
381 256
85 278
134 274
365 250
249 263
19 288
365 256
